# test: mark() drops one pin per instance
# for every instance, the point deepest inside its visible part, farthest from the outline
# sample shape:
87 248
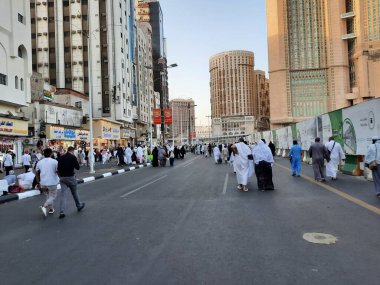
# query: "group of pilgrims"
247 159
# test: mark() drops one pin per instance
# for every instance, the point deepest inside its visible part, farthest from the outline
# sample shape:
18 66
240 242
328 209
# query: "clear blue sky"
197 29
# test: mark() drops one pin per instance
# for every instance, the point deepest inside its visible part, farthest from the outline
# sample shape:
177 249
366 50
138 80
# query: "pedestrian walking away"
263 159
8 162
372 160
66 165
295 155
318 153
337 156
26 160
128 155
242 154
217 154
48 179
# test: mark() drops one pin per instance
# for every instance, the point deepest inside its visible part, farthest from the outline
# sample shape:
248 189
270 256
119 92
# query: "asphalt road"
189 225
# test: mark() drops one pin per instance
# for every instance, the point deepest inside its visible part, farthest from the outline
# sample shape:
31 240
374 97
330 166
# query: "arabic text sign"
13 127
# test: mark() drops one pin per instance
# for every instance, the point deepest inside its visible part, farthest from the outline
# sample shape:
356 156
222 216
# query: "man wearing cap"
373 154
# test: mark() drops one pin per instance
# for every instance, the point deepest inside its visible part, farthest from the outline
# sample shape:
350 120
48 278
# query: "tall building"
15 73
262 111
322 56
233 101
61 32
362 18
145 98
183 120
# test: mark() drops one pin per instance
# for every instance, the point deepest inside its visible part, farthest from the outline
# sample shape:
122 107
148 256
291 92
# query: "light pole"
188 107
209 129
162 70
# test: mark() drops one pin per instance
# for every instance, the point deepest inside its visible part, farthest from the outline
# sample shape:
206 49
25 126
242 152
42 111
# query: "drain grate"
320 238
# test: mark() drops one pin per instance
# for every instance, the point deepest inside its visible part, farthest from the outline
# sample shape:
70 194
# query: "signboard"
168 116
55 133
110 132
12 127
157 116
82 135
49 92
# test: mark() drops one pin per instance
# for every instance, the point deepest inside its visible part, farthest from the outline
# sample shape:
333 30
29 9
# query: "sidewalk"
84 171
83 176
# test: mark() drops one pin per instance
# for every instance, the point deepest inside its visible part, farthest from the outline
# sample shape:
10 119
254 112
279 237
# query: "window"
22 84
3 79
16 82
78 104
20 18
19 51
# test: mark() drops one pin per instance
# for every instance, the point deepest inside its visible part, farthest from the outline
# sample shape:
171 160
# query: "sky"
197 29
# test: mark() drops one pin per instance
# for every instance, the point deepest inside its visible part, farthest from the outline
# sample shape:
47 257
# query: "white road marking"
132 168
121 171
141 187
225 184
187 163
108 174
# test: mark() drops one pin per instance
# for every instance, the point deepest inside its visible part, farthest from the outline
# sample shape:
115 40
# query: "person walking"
155 157
216 154
225 153
128 155
295 155
171 158
26 160
372 160
66 165
48 179
8 162
120 155
242 152
263 159
272 148
318 153
336 157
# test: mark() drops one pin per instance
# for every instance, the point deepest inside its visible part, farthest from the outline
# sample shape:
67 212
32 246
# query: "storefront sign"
69 134
82 135
60 133
110 132
12 127
168 116
157 116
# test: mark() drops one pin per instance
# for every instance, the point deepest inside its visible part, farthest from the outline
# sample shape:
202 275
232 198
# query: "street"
190 225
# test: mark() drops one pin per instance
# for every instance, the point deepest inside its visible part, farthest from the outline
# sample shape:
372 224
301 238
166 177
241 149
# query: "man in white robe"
241 164
128 155
336 156
140 154
216 153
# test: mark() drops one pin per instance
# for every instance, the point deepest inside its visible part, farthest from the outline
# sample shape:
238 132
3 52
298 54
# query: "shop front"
13 132
61 138
106 134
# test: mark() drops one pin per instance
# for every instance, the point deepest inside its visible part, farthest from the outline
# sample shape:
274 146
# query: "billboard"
157 116
168 116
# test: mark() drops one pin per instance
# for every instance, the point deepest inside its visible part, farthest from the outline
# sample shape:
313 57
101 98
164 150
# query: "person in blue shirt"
295 155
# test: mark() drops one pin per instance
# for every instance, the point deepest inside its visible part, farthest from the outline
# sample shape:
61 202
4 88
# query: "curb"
32 193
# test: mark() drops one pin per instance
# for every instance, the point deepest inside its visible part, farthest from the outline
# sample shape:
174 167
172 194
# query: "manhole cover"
320 238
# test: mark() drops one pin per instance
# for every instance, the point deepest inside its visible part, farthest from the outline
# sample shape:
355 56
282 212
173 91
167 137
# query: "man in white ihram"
140 154
216 153
336 156
241 163
128 155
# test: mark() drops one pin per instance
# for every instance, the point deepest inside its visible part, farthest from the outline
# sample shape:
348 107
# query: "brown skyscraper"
316 61
233 102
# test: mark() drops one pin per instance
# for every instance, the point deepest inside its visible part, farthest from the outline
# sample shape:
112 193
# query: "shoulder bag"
373 164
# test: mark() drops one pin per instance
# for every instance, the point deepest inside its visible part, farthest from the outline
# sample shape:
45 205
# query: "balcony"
349 36
347 15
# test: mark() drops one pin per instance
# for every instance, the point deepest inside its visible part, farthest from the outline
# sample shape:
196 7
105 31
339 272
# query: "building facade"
262 111
203 133
233 101
183 127
15 74
61 35
322 56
